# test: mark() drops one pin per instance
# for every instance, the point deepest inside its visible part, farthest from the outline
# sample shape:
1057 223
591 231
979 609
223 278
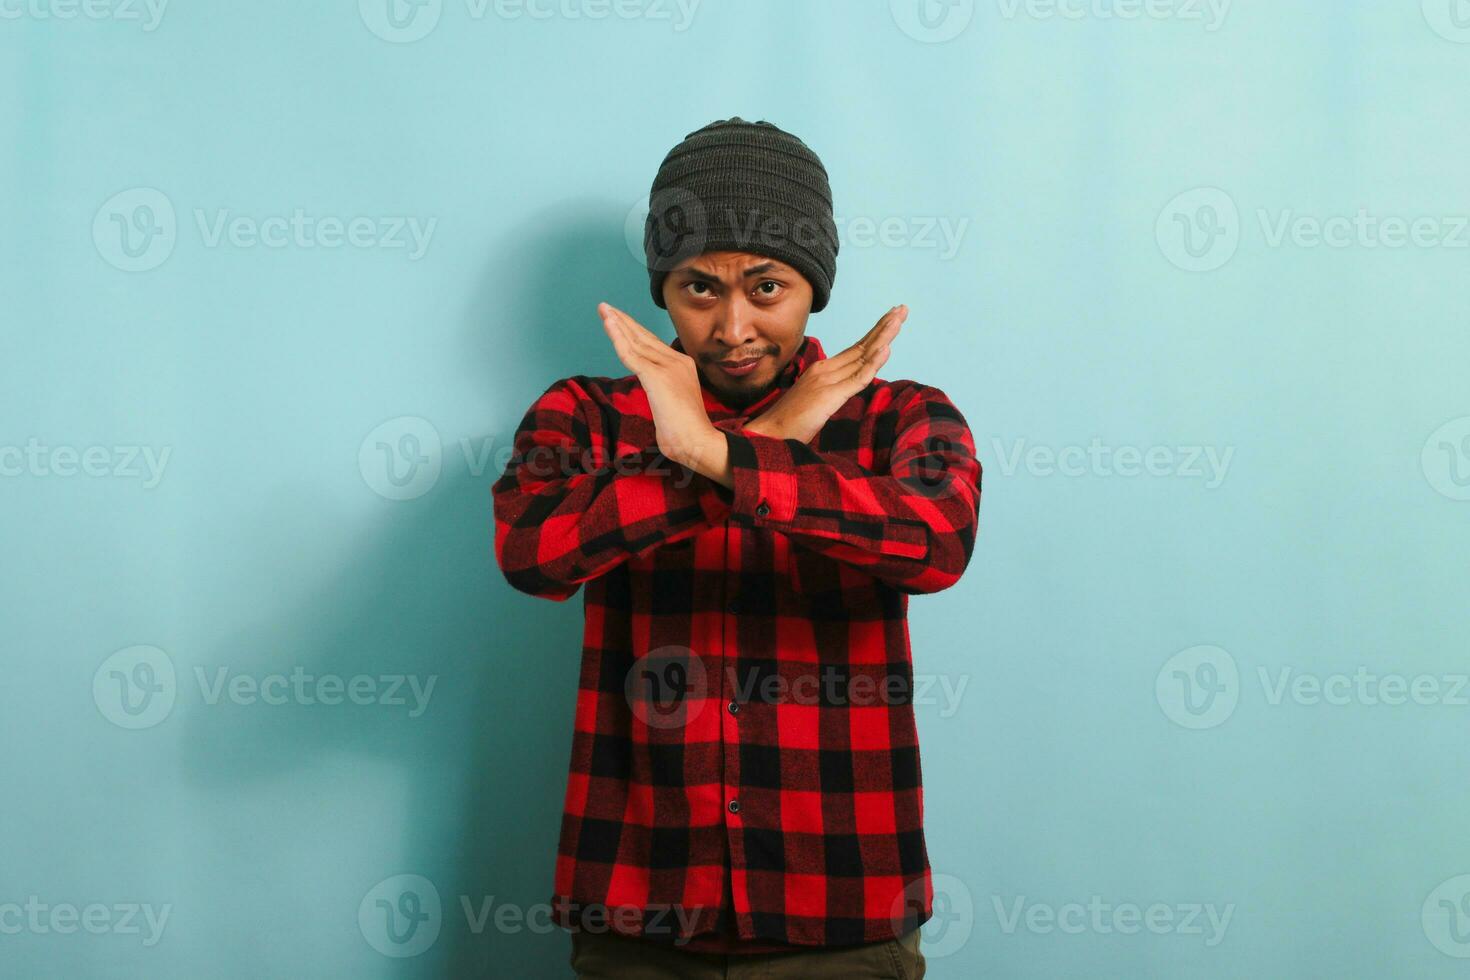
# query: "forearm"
562 517
913 526
552 537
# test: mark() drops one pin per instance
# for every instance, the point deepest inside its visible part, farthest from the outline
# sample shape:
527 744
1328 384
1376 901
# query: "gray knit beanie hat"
742 187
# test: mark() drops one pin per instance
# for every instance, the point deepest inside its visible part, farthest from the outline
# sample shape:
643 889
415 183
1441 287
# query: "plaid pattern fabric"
745 698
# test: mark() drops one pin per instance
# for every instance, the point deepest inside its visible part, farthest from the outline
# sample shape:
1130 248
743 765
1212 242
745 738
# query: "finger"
885 323
611 324
878 362
886 328
880 337
893 313
639 337
623 325
641 350
634 329
861 375
618 334
881 333
866 370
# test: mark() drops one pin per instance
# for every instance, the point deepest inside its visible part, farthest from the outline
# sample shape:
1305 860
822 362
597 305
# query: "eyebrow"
754 270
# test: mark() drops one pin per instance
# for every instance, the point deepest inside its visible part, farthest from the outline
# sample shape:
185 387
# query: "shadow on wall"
482 771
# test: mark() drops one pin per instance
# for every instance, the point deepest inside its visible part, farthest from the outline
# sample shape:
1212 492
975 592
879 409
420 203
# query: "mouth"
738 369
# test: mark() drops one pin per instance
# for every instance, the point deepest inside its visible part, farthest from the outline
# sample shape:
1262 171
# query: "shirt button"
762 509
733 606
734 707
734 806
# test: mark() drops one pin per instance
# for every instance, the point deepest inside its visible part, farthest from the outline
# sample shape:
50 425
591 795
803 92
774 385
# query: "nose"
736 326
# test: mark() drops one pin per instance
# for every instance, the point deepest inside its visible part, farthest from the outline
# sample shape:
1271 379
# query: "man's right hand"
828 384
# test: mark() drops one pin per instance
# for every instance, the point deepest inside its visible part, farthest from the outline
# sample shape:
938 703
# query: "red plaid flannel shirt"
744 721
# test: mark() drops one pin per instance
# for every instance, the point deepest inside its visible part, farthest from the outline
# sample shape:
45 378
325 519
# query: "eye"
769 282
702 285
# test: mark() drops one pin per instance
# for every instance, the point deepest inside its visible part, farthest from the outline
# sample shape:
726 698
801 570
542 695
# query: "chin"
742 388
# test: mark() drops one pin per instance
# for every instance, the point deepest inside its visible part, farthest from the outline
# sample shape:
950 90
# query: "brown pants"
609 956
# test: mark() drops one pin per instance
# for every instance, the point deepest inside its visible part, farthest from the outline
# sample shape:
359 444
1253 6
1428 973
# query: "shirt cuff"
764 471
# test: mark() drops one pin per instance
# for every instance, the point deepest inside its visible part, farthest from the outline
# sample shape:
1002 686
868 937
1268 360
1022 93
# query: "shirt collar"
807 354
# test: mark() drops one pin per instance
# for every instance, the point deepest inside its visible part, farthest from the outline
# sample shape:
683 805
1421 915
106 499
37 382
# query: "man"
749 517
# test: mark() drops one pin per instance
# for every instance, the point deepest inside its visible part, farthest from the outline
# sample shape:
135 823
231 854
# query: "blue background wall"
1195 274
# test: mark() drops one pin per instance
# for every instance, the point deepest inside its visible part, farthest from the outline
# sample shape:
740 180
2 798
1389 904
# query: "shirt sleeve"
912 526
562 516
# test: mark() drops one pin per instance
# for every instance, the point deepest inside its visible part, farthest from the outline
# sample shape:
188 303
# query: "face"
735 306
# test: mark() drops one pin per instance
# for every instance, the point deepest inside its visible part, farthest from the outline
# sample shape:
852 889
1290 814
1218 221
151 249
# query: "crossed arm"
560 520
